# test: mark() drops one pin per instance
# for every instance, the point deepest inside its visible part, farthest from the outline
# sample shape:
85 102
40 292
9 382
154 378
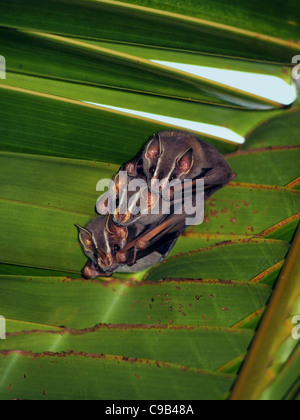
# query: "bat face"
103 264
101 241
181 155
166 157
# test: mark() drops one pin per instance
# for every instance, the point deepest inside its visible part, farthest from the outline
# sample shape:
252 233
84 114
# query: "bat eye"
172 177
152 170
116 249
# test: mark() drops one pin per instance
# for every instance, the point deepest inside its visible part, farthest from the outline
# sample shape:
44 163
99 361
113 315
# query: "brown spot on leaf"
214 213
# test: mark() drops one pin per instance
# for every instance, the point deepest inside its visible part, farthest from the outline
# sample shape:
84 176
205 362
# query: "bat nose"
105 262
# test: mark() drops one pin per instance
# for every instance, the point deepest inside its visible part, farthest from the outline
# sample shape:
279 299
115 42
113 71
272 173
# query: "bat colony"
137 233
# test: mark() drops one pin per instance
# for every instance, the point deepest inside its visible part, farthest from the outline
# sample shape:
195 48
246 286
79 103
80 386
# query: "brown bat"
171 155
101 240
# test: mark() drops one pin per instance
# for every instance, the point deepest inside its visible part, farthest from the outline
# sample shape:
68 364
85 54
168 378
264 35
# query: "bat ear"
86 239
185 161
102 205
130 168
153 150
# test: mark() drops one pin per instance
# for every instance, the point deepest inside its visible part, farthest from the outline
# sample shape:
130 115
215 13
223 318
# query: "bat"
181 155
101 240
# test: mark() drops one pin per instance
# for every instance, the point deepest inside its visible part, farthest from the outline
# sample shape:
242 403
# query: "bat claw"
122 257
141 244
